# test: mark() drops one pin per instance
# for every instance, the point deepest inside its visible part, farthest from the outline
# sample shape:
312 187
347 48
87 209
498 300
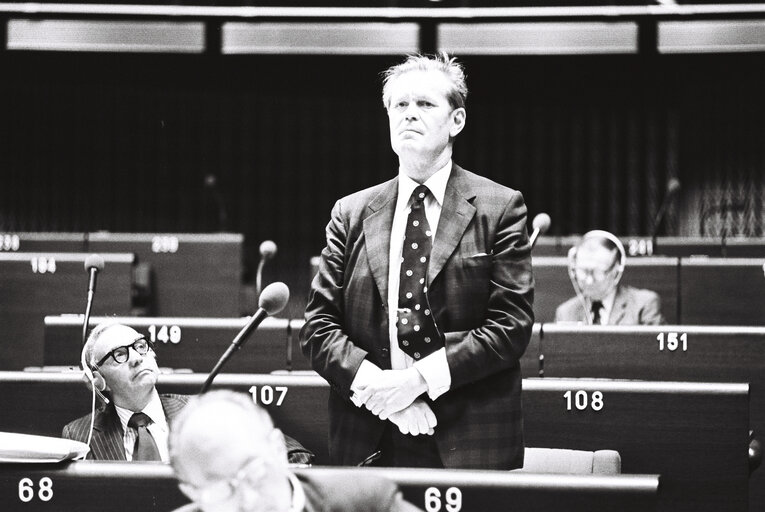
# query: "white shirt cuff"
435 370
367 373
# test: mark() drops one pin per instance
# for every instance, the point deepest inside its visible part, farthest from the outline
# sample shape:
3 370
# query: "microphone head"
541 222
673 185
274 297
94 261
267 250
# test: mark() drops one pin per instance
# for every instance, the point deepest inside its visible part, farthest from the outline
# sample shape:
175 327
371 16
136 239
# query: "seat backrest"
556 460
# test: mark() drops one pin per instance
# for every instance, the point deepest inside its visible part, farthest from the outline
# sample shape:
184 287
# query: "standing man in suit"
422 306
134 425
228 456
596 265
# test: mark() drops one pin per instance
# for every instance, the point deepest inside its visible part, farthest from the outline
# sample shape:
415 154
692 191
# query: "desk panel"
125 487
695 435
723 291
193 274
679 246
197 343
553 286
191 343
686 353
37 284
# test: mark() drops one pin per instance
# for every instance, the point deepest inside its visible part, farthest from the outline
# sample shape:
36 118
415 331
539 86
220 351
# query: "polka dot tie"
418 334
145 448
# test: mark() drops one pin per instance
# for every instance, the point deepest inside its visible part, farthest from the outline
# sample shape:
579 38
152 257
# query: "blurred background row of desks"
176 275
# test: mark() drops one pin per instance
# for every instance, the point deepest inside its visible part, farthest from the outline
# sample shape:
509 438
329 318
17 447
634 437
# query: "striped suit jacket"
107 430
481 294
107 441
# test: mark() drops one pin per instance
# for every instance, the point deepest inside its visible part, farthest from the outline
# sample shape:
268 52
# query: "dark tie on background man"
145 448
596 307
418 335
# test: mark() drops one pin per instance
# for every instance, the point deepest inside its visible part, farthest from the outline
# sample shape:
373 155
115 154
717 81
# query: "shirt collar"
436 184
298 494
153 410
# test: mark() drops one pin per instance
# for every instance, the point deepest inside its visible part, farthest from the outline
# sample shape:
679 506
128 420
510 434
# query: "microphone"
93 264
541 224
272 300
267 252
673 185
211 182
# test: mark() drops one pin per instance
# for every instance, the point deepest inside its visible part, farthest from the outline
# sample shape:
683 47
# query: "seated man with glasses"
596 265
134 425
228 456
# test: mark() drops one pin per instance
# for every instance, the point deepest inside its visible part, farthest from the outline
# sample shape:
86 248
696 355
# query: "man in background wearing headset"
133 423
596 265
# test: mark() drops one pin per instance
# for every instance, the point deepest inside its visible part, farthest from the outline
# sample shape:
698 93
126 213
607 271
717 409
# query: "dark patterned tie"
418 335
145 448
596 307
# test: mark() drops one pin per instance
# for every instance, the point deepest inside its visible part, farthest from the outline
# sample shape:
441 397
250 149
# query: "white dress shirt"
434 367
158 427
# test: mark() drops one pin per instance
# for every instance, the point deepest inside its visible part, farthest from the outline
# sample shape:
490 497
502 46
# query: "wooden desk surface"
37 284
687 353
695 435
119 486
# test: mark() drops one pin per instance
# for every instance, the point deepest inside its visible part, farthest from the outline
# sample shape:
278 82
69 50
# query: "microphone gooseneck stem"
86 320
240 339
259 277
218 366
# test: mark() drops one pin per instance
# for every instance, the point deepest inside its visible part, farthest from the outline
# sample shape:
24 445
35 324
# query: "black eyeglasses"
122 354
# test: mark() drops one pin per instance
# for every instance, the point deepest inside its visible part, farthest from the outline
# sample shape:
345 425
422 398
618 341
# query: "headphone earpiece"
98 381
94 378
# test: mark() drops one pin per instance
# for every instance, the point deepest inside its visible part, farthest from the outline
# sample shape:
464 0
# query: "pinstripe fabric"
107 431
481 296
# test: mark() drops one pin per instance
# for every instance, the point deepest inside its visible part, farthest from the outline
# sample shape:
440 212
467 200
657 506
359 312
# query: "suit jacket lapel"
377 228
620 307
456 214
107 443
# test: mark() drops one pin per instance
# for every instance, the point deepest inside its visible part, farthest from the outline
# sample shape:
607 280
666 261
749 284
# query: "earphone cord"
92 411
580 295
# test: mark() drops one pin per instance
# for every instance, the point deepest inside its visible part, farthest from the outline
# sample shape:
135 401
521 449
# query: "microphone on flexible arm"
541 224
673 185
93 265
267 252
271 301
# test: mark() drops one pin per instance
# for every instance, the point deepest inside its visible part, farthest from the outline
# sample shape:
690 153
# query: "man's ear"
458 118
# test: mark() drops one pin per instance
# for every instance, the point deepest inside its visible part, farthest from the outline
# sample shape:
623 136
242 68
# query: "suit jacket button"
385 352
